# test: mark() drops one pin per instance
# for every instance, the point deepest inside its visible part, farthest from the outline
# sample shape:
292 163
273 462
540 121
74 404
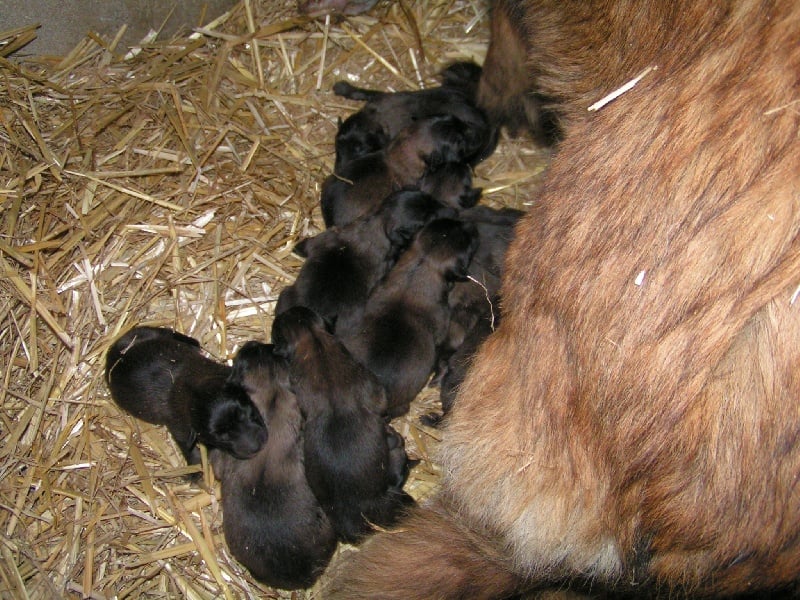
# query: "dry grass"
167 186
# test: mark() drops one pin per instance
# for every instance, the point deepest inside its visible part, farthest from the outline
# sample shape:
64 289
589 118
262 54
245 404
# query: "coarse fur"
386 114
634 421
354 462
406 317
343 264
273 523
417 151
161 376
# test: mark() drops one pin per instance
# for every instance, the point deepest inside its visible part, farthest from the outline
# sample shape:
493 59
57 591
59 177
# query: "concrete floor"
65 22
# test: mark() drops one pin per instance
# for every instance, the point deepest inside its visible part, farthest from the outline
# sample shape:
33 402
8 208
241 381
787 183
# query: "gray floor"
65 22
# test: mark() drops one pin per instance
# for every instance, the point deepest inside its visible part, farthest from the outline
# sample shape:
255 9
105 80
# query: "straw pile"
167 186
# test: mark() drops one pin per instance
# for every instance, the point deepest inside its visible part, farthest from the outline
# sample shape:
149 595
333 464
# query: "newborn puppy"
454 363
476 299
353 460
495 229
160 376
386 114
422 147
406 317
344 263
474 304
451 184
272 521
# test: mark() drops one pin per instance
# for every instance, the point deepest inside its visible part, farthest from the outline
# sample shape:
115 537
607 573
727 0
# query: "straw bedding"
167 185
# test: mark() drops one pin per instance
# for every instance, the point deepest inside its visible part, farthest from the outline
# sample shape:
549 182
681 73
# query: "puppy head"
466 138
258 372
449 245
292 327
451 184
405 212
234 424
358 136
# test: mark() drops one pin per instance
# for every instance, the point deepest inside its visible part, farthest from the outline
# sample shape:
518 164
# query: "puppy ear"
301 247
243 361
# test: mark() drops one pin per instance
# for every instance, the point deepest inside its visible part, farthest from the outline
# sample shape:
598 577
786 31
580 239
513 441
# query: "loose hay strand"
166 185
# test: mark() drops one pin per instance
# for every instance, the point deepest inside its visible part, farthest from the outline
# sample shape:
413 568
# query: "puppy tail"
428 556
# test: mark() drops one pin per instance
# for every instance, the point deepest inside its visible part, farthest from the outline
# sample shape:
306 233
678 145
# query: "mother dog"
634 423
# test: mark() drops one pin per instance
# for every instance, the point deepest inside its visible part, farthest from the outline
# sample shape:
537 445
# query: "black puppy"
272 521
161 376
406 317
421 148
476 299
354 462
386 114
474 303
451 184
344 263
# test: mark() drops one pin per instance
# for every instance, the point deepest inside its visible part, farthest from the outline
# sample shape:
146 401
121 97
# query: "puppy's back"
141 368
272 522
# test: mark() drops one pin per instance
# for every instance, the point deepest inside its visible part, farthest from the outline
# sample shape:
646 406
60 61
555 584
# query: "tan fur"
635 420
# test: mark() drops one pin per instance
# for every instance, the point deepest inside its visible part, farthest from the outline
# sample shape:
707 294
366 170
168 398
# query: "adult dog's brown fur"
635 420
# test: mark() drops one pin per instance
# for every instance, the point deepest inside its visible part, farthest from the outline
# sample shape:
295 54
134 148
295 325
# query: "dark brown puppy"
476 298
634 420
160 376
475 304
453 372
344 263
272 521
451 184
386 114
406 317
418 150
353 460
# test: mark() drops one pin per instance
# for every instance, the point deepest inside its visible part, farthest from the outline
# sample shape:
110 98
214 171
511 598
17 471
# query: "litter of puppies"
298 430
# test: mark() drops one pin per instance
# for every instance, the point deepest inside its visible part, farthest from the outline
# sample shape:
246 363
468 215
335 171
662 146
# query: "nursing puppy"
633 422
458 363
344 263
474 303
352 458
161 376
420 149
273 523
386 114
406 317
495 230
476 299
